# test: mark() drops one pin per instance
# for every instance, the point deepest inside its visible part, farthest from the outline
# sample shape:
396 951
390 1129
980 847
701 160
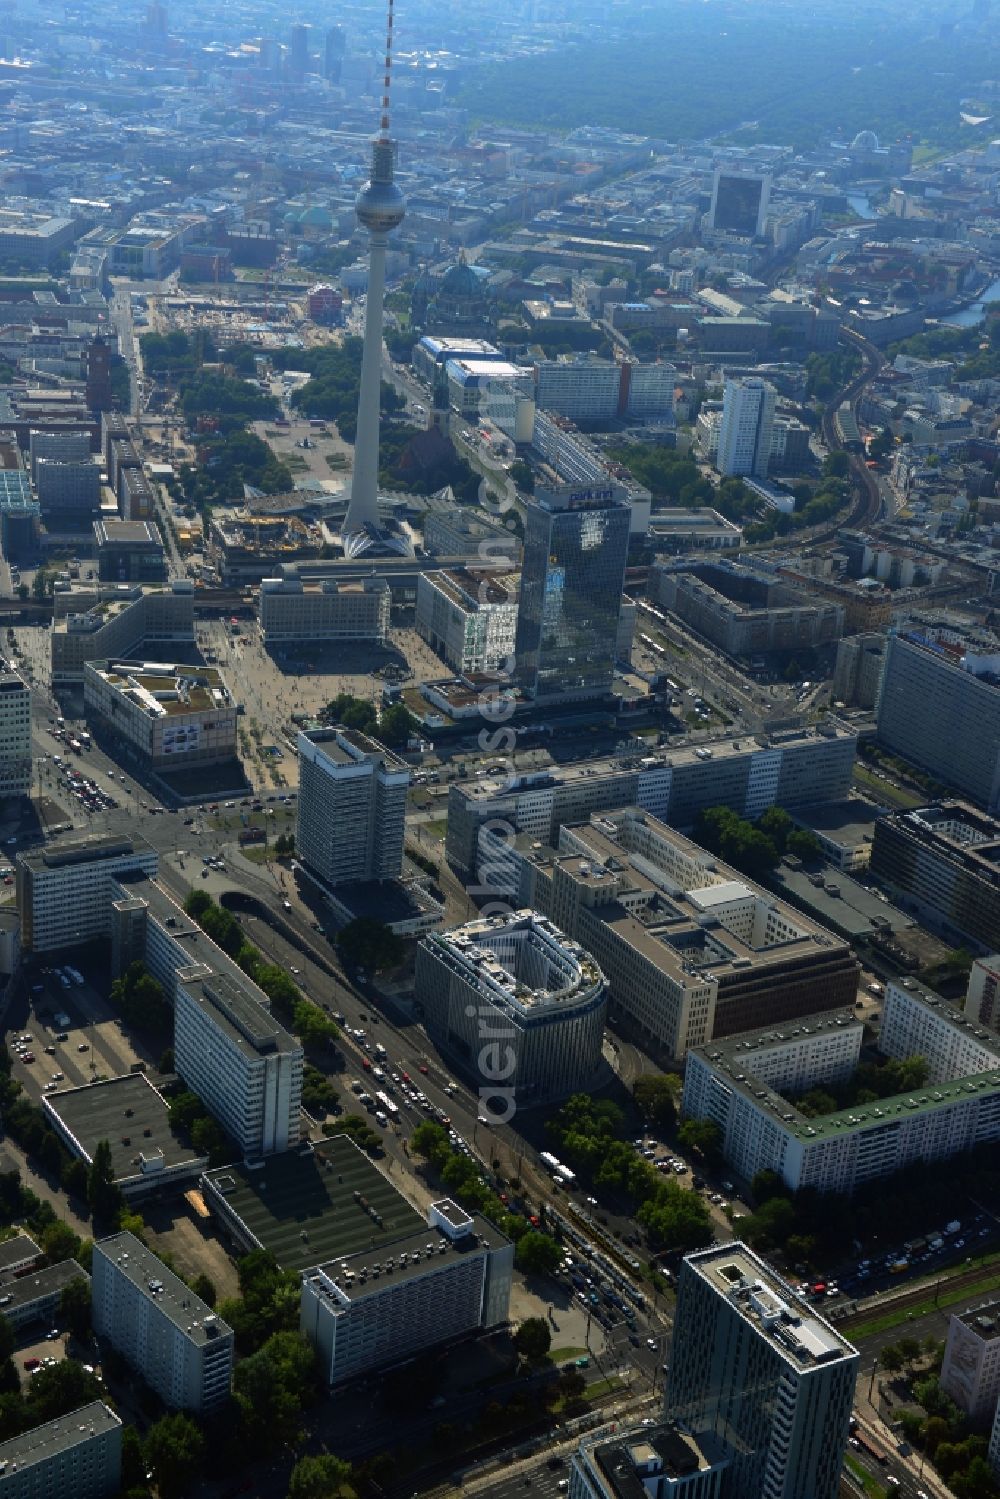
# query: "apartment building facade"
733 1083
182 1349
65 889
939 707
79 1454
15 733
242 1064
352 807
787 769
446 1282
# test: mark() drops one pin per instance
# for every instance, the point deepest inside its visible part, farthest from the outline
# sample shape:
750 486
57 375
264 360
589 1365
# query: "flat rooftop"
174 1299
241 1017
388 901
302 1205
163 689
41 1284
850 822
736 747
983 1320
856 911
470 590
342 746
405 1258
628 1459
16 1250
126 533
82 851
120 1110
770 1305
43 1442
732 1059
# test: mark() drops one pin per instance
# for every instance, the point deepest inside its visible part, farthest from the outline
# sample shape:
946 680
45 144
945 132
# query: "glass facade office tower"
755 1367
575 549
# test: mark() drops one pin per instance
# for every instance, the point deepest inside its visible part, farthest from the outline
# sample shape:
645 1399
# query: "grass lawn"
436 829
603 1387
560 1355
891 793
871 1486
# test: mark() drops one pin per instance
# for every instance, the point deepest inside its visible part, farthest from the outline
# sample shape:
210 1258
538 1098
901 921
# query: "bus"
560 1172
390 1108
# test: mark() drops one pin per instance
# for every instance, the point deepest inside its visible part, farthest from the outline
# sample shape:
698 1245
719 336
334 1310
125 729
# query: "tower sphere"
380 207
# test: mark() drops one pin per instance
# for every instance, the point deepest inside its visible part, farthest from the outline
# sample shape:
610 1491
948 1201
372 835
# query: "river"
861 205
975 312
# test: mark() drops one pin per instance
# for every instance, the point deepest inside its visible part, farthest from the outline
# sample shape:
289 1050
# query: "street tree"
655 1097
74 1306
537 1253
175 1452
103 1197
320 1477
533 1339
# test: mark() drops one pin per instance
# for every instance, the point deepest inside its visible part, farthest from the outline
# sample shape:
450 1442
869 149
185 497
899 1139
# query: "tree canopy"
370 944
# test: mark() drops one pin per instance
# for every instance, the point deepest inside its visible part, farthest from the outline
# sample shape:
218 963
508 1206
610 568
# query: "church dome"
461 281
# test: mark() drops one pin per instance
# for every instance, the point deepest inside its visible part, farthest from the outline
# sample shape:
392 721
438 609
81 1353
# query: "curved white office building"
518 1006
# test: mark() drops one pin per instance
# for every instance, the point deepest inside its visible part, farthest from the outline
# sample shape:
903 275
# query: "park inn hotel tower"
754 1368
575 550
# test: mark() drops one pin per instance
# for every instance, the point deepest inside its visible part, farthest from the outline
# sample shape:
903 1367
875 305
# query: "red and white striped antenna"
384 128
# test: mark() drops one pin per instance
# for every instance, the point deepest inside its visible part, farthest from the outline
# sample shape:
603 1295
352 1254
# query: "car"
423 1068
52 1333
29 1056
57 1077
50 1051
83 1046
31 1364
891 1478
650 1342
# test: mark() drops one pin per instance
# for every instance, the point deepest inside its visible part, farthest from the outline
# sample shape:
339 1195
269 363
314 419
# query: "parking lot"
94 1046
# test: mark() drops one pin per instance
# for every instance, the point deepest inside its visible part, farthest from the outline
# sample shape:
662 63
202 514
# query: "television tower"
380 208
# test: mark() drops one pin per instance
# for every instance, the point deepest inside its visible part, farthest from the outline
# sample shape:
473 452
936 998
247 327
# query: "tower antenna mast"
384 133
380 208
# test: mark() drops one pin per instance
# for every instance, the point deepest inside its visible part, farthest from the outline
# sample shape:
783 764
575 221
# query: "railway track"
869 499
